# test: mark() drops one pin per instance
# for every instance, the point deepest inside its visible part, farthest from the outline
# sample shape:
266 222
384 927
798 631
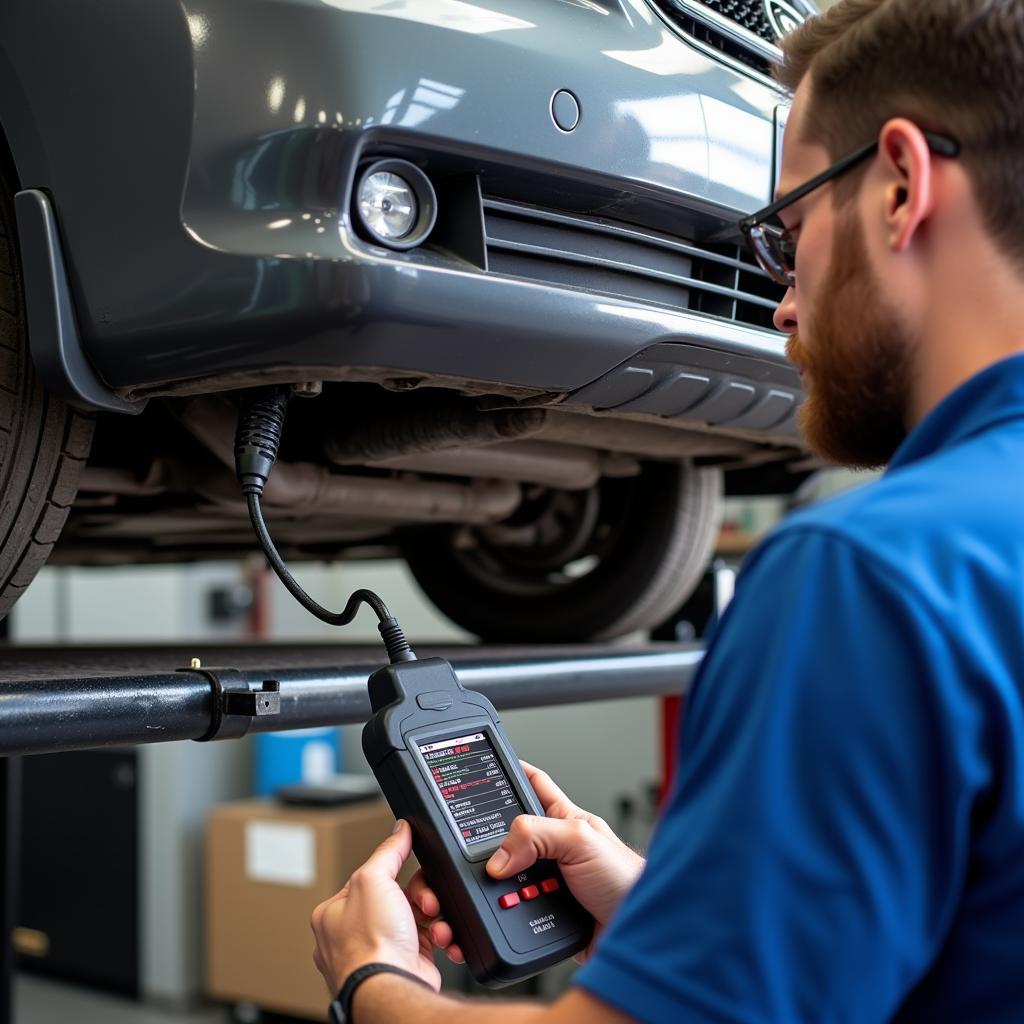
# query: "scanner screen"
473 785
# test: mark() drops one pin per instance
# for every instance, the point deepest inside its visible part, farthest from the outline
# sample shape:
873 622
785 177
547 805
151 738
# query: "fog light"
395 204
388 205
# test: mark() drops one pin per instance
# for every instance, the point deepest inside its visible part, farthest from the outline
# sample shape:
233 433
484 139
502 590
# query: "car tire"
43 442
652 537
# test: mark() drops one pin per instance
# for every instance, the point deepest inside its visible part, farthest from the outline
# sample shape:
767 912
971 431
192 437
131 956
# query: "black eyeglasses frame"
941 145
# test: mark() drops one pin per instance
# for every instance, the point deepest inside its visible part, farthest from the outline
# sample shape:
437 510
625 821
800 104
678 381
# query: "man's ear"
907 162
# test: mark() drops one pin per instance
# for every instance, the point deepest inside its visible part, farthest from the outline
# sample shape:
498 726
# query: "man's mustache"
796 352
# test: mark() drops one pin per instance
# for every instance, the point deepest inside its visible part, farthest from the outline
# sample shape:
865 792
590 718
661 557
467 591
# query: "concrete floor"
40 1000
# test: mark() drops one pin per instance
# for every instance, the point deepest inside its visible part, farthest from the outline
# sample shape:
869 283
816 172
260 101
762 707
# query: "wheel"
43 442
577 565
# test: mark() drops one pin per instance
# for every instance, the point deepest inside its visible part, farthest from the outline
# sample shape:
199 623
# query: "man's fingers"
547 792
426 944
441 934
389 857
421 895
531 839
557 805
422 920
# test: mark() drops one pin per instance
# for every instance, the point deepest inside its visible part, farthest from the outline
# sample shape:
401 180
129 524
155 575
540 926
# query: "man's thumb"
393 852
533 838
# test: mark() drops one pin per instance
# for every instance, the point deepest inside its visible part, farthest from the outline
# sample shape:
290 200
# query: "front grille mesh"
748 14
612 258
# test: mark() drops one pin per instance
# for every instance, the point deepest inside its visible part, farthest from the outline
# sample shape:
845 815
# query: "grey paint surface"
198 156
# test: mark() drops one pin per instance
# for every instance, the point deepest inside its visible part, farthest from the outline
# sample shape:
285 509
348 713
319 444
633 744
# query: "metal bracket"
53 337
236 702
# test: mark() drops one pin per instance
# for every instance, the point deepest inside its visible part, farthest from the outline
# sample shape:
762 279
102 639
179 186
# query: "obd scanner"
442 759
445 764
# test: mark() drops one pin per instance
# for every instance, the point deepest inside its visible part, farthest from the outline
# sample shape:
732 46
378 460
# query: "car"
489 245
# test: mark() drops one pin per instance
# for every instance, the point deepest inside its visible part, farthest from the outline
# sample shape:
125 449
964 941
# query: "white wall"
129 604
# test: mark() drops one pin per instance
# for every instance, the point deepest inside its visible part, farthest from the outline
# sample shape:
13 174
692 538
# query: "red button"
510 899
549 885
529 892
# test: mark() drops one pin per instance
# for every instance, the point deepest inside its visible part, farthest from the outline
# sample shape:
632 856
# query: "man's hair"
955 67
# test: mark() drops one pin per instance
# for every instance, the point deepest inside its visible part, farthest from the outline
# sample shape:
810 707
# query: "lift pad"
74 698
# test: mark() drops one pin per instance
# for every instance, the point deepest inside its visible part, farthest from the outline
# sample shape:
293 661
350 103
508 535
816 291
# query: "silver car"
490 245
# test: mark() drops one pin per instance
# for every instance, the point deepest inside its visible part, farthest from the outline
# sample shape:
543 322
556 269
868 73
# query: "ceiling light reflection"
451 14
275 95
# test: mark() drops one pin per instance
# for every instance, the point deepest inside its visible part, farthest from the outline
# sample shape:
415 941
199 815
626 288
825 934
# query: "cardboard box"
267 866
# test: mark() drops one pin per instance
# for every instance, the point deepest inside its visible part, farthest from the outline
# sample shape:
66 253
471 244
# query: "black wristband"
341 1008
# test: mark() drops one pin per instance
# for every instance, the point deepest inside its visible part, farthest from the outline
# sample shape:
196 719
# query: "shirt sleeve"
807 865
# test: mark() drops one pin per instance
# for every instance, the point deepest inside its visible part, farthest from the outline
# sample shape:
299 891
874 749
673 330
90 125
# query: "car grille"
613 258
748 14
710 22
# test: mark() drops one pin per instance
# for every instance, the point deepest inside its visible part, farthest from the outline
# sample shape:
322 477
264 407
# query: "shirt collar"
990 397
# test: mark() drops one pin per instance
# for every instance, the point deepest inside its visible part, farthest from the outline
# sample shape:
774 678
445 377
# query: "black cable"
260 422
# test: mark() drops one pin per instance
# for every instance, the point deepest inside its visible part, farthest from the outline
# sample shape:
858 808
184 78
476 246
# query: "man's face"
849 342
855 355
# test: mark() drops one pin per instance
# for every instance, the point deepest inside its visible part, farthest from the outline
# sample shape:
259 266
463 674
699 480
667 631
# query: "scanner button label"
542 924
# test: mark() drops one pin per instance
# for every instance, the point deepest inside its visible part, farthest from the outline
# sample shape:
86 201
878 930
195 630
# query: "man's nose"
785 314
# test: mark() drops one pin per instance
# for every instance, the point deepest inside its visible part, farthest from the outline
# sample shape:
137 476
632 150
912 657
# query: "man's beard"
858 370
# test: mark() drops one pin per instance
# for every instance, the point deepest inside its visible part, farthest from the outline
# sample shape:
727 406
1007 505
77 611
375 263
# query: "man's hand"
371 921
597 866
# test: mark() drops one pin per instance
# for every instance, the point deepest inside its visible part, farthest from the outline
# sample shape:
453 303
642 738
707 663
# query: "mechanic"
845 837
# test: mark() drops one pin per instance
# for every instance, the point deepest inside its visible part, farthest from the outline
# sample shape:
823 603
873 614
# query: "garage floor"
39 1000
43 1001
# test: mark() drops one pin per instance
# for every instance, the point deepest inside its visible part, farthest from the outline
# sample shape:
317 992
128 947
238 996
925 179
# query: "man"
845 839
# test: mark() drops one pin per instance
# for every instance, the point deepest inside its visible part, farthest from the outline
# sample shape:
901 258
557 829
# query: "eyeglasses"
773 246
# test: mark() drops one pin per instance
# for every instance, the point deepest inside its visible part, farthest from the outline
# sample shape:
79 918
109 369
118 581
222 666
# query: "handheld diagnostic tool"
446 766
443 761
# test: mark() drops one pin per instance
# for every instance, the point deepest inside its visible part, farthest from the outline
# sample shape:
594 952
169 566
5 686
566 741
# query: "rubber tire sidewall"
43 442
663 548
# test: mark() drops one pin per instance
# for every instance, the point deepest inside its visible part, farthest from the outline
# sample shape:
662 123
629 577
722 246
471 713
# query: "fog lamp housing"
394 204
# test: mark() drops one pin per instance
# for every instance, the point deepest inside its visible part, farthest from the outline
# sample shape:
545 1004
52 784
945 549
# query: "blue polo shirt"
845 837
